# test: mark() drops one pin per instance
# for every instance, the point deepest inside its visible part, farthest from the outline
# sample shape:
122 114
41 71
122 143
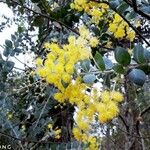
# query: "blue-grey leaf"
89 78
8 43
137 76
138 53
108 63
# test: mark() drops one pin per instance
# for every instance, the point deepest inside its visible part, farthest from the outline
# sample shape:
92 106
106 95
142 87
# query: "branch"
140 115
22 62
45 16
130 25
132 135
43 109
124 122
147 16
29 141
145 111
134 5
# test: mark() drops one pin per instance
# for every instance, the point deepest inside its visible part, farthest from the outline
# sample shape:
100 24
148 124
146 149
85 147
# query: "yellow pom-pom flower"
38 61
94 42
116 96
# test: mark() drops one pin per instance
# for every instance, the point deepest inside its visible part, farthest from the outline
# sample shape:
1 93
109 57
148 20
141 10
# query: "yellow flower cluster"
99 11
102 107
58 69
108 107
120 28
94 9
85 138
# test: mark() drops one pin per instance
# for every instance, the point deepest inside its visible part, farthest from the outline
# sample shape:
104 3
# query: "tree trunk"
133 140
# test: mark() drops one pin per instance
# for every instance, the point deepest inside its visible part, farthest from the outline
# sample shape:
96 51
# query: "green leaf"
22 1
105 36
122 56
35 1
20 29
119 69
38 21
145 68
122 8
137 76
89 78
138 53
65 85
99 60
8 43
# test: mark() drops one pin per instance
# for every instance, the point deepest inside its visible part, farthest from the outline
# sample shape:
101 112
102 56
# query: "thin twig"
145 111
45 16
124 122
29 141
42 111
22 62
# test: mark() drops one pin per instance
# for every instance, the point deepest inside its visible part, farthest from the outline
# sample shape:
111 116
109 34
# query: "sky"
6 34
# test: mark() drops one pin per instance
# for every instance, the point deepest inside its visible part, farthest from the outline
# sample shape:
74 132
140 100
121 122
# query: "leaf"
131 15
145 68
35 1
17 50
8 43
108 63
7 51
114 3
22 1
105 37
12 53
122 56
8 66
137 76
38 21
122 8
147 55
13 37
85 64
145 9
20 29
99 60
65 85
119 69
138 53
89 78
